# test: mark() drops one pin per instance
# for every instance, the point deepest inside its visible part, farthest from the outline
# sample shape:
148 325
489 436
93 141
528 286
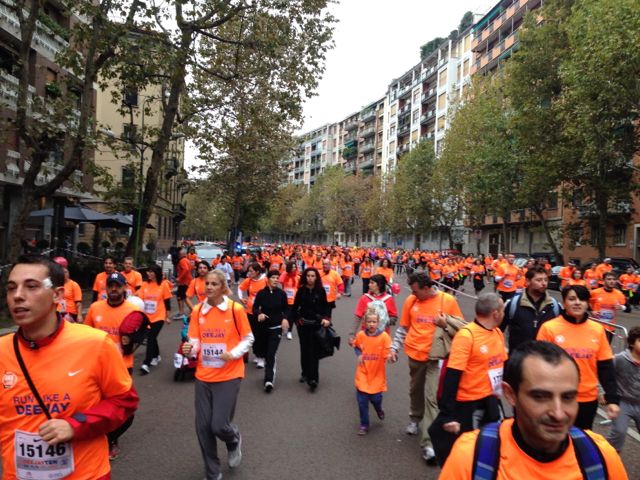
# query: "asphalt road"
290 433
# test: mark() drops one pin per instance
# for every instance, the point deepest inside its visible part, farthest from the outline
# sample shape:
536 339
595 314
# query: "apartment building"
131 124
50 38
316 151
495 36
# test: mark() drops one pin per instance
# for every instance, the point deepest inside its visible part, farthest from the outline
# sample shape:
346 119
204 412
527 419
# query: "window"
552 202
442 101
467 43
414 135
130 97
415 115
465 68
441 122
128 178
394 109
620 234
416 96
442 78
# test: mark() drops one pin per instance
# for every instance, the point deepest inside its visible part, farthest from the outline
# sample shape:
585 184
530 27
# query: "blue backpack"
515 300
486 457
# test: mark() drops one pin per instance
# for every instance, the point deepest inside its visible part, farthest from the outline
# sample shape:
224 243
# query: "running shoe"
363 430
412 428
235 455
313 385
155 361
429 456
260 363
268 387
114 451
178 316
380 414
289 336
144 369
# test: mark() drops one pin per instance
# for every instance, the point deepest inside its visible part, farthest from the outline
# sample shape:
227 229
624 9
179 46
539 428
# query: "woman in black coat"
310 311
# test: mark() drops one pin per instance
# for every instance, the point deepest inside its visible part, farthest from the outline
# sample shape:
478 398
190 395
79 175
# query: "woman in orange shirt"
576 278
197 286
366 270
585 341
156 296
254 282
386 269
478 271
347 273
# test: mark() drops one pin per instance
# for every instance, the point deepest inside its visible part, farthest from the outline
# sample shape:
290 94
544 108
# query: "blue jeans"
363 405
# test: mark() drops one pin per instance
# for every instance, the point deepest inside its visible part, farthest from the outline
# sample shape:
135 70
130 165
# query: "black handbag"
328 340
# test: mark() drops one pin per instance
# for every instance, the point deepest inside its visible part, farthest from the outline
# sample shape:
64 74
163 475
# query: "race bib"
63 306
327 288
210 354
150 306
495 377
36 460
291 293
507 283
607 315
103 296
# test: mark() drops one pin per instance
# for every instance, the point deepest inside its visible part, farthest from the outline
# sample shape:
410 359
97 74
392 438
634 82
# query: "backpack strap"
486 455
513 305
556 306
590 460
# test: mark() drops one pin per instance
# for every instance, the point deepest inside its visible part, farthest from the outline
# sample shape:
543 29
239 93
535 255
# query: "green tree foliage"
430 47
466 21
600 108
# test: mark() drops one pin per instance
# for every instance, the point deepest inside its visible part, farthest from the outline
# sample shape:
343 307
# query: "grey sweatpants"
215 407
618 432
423 389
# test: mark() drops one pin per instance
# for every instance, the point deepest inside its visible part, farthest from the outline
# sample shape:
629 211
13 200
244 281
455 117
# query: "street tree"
600 110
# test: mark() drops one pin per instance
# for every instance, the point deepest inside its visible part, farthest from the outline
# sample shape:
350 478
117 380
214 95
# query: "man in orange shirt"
183 279
70 307
540 383
507 276
629 285
566 274
133 277
423 313
78 401
100 283
473 379
602 268
606 301
332 283
108 315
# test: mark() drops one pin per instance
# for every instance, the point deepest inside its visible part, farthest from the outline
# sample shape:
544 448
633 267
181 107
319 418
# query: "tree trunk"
547 231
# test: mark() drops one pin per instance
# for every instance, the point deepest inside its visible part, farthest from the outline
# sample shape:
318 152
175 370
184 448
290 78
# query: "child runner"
372 346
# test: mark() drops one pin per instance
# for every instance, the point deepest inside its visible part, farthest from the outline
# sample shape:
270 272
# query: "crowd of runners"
555 368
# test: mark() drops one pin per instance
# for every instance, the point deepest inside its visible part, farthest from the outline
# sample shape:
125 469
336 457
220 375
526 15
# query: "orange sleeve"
242 321
88 319
604 353
615 467
451 307
191 289
244 286
460 350
77 292
166 291
544 333
405 320
460 461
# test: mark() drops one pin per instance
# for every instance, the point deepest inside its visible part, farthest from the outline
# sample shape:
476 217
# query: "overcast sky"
375 42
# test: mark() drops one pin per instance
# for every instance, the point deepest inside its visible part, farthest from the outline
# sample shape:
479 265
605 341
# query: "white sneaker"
289 336
260 363
430 456
268 386
255 360
235 455
177 360
144 369
412 428
155 361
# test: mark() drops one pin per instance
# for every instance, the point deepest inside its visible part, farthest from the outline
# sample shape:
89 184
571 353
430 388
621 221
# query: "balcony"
351 125
350 142
428 95
366 163
425 117
403 148
350 167
44 41
367 147
509 16
404 111
9 90
427 136
404 129
404 91
368 132
367 115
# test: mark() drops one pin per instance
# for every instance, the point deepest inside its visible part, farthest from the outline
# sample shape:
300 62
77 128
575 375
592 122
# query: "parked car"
553 260
208 252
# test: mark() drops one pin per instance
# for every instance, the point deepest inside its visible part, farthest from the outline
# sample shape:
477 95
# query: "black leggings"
586 414
153 350
309 357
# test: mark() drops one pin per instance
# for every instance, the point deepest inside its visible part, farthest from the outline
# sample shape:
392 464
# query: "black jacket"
273 303
310 304
526 320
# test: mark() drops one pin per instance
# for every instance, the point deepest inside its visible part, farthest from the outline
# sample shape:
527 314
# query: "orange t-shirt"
419 319
510 275
290 285
100 285
578 281
252 287
72 295
73 373
591 276
237 262
587 343
330 282
478 271
134 281
371 376
604 304
104 317
218 333
435 271
515 464
277 262
347 269
197 289
366 270
184 269
480 355
154 296
628 282
385 272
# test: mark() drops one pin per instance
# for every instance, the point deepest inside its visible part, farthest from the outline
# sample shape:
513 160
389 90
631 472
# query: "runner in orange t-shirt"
332 283
183 279
156 296
372 346
507 275
422 312
346 265
366 270
219 336
70 306
629 285
197 286
585 341
607 300
473 378
78 372
100 282
254 282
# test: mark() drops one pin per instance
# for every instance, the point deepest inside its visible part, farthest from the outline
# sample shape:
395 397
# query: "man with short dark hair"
526 312
473 380
80 388
100 283
541 384
428 315
183 279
